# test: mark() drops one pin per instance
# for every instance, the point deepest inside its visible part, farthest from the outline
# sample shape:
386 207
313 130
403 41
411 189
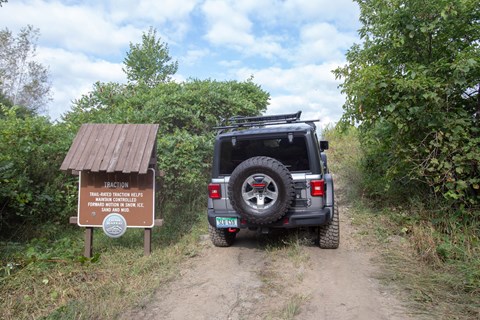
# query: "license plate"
227 222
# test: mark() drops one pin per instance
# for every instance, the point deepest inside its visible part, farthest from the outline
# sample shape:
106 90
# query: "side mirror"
323 145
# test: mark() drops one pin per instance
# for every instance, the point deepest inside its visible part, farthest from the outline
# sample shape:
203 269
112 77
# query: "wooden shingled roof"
126 148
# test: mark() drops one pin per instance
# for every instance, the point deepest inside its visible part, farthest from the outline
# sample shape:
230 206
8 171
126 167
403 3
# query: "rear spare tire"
261 190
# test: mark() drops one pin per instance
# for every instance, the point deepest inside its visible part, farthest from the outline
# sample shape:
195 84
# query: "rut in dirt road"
259 278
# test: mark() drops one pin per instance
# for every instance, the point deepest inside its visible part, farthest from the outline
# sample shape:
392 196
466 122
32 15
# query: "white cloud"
173 15
295 79
229 25
151 10
96 27
321 42
310 110
304 31
310 88
74 75
74 27
344 13
230 63
193 56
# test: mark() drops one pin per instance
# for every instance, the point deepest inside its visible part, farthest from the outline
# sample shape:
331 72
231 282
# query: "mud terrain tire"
221 237
329 234
261 190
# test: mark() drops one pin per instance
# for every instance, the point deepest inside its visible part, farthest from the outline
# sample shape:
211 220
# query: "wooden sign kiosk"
116 166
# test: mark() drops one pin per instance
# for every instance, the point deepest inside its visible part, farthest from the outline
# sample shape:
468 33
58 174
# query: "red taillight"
317 188
214 191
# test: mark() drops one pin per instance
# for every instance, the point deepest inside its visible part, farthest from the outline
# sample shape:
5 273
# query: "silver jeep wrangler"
270 172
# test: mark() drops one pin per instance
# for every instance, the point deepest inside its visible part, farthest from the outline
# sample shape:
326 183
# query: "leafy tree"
3 1
22 80
413 88
149 63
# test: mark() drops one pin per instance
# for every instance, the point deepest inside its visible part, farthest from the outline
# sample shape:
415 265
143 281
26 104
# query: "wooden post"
147 241
88 242
147 237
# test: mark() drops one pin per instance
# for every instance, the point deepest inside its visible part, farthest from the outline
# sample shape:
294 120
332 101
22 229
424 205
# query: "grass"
433 258
120 279
290 245
291 309
287 248
433 287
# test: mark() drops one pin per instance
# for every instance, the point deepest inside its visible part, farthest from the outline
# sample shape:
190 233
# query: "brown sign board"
103 193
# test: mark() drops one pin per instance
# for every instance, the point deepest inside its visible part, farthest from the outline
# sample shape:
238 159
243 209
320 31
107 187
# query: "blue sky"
288 46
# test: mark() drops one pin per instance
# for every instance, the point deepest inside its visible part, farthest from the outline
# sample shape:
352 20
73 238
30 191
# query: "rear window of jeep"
292 154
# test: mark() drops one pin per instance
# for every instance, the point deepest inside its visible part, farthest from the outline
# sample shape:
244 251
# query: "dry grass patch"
120 280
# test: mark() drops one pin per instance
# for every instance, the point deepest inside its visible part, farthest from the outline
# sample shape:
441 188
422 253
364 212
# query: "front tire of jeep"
221 237
261 190
329 234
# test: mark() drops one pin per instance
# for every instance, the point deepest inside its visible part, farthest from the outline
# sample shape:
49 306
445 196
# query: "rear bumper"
293 219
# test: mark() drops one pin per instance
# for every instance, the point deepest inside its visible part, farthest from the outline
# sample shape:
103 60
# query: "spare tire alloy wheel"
261 190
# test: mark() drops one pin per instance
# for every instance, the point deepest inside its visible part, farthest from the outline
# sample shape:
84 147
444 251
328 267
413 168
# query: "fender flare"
330 196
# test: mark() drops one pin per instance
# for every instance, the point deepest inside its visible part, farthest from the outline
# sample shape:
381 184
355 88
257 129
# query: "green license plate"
226 222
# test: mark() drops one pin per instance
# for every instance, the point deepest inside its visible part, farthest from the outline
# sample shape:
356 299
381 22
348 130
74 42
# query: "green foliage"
185 160
20 111
149 63
41 250
32 190
413 87
186 113
5 101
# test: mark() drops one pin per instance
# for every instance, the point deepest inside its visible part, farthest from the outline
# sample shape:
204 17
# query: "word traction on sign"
129 195
110 184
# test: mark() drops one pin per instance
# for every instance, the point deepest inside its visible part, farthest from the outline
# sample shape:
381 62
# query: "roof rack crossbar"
279 117
256 121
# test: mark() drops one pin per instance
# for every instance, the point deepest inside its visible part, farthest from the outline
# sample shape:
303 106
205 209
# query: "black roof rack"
259 121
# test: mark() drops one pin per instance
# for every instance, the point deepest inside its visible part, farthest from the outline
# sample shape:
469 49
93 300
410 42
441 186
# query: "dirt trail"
257 280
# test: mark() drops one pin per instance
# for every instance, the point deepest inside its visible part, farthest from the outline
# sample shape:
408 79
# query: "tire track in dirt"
251 280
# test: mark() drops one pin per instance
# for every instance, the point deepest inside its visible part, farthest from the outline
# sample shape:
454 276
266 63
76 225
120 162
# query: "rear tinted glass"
293 155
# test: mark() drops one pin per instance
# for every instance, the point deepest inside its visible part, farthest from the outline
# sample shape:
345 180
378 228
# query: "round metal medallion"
114 225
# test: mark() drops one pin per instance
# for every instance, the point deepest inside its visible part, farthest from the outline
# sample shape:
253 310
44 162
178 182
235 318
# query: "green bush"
32 189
